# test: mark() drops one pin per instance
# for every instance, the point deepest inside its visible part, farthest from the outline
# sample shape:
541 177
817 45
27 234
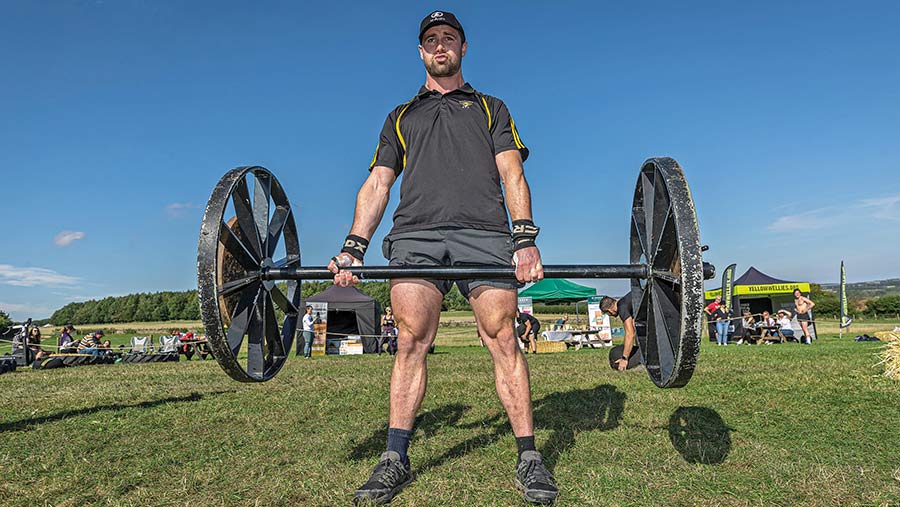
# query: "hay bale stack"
891 353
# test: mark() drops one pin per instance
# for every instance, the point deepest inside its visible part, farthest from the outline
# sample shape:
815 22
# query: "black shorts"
452 247
803 316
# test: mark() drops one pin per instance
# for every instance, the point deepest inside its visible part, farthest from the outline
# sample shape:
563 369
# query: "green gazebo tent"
556 290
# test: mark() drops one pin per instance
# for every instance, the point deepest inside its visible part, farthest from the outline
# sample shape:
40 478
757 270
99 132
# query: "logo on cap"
437 14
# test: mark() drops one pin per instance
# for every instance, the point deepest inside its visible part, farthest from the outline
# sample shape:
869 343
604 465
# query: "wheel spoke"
243 209
661 211
648 191
666 249
640 323
262 189
651 350
255 337
288 262
639 230
276 226
274 344
237 249
664 316
282 301
240 318
233 286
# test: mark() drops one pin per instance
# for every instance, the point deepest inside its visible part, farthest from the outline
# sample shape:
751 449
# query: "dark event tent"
557 289
350 312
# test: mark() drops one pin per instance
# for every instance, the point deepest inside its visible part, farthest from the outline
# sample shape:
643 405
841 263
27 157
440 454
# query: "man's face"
442 51
718 300
766 315
614 309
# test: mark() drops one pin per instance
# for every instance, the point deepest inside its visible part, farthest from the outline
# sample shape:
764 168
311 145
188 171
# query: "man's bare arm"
372 200
518 195
518 202
628 324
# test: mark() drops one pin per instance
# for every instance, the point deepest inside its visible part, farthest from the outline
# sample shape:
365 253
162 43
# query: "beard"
446 69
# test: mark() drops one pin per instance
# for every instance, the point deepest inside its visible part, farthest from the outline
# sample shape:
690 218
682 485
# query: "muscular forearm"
371 202
629 337
518 195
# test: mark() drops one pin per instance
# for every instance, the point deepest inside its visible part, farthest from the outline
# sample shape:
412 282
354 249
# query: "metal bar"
581 271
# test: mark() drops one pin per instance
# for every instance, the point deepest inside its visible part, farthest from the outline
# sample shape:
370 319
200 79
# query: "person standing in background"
308 334
802 306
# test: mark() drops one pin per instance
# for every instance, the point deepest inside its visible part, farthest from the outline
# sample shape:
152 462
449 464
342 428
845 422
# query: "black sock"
525 444
398 441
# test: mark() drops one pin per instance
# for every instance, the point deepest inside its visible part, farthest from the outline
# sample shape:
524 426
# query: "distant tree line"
142 307
163 306
828 304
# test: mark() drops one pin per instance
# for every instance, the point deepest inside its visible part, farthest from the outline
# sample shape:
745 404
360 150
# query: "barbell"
249 241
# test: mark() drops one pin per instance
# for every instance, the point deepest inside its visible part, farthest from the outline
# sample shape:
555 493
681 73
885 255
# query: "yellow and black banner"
728 285
842 296
762 289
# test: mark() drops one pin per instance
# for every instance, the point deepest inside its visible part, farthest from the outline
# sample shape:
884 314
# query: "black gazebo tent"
350 312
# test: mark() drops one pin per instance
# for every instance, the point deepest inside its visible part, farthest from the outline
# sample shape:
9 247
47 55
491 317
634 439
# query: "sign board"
320 327
597 320
526 305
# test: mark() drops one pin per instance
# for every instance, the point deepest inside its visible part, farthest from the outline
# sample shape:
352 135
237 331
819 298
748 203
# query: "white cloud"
177 209
885 208
17 310
878 208
31 277
815 219
65 238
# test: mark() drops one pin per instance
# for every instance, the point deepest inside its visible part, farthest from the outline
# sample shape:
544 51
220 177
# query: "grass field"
757 426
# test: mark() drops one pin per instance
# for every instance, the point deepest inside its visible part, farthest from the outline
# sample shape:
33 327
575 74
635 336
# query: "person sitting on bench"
750 334
784 321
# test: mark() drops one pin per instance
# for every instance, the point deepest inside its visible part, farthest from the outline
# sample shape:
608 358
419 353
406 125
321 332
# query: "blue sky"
118 118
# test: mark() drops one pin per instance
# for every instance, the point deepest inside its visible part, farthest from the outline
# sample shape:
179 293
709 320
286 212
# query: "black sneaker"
534 480
388 478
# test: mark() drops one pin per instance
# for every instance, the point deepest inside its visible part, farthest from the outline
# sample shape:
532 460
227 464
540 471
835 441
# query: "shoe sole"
379 500
540 501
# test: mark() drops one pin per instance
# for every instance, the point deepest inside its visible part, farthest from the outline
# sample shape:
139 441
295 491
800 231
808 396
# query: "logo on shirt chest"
466 104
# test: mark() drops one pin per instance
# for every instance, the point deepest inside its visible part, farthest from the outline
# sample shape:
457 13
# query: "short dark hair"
606 303
798 290
309 307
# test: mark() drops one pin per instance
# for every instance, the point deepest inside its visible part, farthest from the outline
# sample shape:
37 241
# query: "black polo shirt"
444 145
624 307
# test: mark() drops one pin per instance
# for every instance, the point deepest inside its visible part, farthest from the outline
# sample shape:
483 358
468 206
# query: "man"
455 147
802 306
90 343
561 323
528 329
308 334
623 309
710 311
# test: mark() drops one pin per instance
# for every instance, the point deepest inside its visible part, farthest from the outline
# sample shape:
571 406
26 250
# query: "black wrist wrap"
355 246
524 233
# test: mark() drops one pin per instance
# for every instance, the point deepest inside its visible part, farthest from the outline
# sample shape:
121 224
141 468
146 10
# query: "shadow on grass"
700 435
427 423
25 424
564 413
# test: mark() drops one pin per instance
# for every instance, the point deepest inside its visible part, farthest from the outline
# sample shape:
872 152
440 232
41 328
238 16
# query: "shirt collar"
465 88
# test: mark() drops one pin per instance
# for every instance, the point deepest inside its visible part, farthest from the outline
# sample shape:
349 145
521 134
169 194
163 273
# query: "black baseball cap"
441 18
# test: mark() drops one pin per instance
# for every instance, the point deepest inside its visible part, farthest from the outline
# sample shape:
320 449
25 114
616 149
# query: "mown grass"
767 425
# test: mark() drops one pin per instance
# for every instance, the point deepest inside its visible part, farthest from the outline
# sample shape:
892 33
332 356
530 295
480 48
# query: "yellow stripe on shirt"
399 134
515 133
487 110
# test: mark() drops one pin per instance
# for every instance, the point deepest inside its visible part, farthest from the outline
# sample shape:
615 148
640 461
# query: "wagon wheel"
234 301
668 303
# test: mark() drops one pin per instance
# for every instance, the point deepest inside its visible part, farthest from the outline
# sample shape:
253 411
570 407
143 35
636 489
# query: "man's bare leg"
495 311
417 309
